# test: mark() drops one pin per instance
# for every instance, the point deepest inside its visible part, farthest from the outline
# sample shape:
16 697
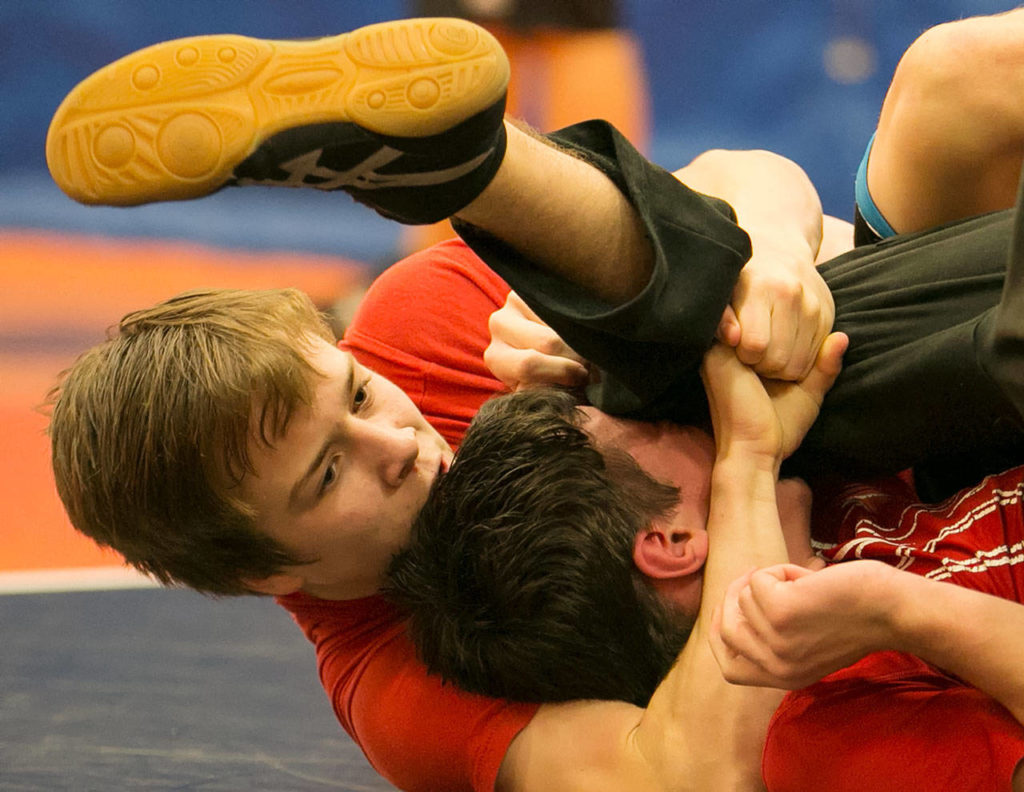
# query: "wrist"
771 238
743 524
908 614
744 483
747 459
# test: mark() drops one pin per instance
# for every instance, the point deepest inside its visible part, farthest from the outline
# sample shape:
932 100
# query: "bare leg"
565 214
560 77
951 132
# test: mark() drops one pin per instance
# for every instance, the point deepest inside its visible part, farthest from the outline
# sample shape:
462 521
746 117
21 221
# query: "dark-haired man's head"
547 564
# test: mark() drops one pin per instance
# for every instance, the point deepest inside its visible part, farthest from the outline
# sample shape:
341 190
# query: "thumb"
729 328
827 366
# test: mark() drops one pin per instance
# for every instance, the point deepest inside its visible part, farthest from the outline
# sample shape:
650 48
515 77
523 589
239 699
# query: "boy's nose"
399 449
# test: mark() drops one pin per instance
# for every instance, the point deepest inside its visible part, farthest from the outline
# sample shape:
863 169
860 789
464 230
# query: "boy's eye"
360 396
329 476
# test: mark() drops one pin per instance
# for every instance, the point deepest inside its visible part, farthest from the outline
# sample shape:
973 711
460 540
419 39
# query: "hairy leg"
950 136
565 214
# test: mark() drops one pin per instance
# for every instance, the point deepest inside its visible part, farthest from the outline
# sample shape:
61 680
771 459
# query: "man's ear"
277 584
665 551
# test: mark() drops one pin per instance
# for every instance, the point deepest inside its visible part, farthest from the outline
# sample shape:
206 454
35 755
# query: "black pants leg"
915 390
1002 341
918 388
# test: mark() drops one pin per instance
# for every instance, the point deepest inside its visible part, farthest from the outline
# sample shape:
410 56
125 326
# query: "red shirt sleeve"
419 734
891 723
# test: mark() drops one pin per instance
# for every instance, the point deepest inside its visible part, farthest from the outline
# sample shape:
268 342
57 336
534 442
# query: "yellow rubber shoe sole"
173 120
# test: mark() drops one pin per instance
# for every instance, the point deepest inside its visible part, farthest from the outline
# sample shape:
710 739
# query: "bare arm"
698 732
780 627
976 636
719 731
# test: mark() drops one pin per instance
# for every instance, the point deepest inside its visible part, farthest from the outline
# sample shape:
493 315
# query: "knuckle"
733 675
778 615
790 370
755 341
784 656
789 290
751 352
795 371
776 360
550 344
530 368
531 363
776 668
497 322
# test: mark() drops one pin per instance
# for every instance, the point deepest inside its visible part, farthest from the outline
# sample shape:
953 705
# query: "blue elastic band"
866 204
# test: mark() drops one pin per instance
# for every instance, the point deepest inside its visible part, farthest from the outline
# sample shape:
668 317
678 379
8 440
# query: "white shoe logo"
364 175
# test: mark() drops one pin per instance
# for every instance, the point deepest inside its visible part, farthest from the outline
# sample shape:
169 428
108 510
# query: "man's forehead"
668 451
614 429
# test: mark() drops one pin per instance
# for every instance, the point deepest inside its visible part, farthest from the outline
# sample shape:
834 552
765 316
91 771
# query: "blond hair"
150 431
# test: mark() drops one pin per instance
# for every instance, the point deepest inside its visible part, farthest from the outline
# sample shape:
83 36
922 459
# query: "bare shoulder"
583 745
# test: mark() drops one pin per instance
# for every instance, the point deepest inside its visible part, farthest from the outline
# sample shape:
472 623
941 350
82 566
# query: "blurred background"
801 77
804 78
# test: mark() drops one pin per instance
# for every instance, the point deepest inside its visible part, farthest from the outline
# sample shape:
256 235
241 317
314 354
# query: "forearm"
719 728
774 200
743 522
698 733
977 636
702 731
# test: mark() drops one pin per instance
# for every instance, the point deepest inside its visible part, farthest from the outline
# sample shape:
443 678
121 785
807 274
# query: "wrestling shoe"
405 116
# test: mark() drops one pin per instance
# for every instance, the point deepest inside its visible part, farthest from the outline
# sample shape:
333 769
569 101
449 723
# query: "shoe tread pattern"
172 121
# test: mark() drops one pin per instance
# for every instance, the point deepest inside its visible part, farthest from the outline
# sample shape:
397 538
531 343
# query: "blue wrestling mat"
154 689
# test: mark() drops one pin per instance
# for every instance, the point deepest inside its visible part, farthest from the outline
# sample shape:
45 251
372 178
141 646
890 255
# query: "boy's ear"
663 552
277 584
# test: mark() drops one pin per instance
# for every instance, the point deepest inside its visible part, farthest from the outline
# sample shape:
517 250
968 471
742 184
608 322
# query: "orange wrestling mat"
58 294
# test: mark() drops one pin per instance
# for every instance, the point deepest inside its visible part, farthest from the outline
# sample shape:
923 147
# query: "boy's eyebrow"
328 442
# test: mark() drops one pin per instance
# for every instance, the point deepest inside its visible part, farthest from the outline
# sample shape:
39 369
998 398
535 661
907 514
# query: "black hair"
519 580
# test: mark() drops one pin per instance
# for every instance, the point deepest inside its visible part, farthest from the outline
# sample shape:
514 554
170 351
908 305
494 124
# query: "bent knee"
966 64
955 96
